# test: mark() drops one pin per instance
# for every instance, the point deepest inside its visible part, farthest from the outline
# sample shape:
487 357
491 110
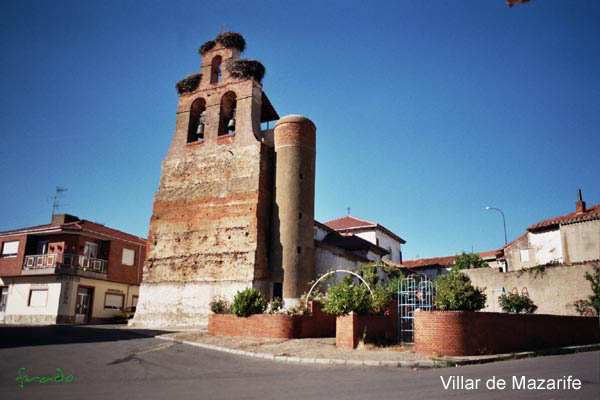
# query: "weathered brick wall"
458 333
209 228
553 290
318 324
349 329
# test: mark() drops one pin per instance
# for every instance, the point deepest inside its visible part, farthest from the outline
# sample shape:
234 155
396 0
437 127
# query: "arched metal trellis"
333 272
414 293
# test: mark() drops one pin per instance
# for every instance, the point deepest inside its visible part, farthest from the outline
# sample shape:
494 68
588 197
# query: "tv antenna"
56 204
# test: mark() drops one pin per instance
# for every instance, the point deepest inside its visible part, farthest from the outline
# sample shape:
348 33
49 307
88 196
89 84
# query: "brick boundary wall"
350 328
462 333
318 324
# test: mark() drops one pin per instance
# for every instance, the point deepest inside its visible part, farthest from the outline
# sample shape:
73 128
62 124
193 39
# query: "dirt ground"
306 348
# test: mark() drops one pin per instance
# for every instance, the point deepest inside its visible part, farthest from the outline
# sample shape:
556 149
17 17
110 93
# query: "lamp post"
503 221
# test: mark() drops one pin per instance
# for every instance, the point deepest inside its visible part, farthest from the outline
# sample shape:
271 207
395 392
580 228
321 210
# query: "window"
525 255
3 298
42 247
227 114
197 123
10 249
113 301
38 297
215 70
134 301
90 250
128 257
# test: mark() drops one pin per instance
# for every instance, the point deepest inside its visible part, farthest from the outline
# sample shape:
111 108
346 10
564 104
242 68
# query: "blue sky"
426 112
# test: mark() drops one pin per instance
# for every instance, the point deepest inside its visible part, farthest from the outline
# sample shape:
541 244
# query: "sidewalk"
323 351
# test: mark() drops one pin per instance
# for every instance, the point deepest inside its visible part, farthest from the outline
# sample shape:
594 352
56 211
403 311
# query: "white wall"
389 243
18 309
319 232
546 245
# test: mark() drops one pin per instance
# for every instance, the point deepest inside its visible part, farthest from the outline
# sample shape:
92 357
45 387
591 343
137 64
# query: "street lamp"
503 221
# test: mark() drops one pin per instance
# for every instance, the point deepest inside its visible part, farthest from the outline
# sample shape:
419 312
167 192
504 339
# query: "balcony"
64 263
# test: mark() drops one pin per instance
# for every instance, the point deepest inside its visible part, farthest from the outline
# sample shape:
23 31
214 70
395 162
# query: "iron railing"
65 261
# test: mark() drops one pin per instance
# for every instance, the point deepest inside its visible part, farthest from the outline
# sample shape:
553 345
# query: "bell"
200 130
231 123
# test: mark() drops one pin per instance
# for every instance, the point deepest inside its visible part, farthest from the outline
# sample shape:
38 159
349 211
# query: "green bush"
247 302
466 261
342 299
515 303
584 307
454 292
274 305
220 305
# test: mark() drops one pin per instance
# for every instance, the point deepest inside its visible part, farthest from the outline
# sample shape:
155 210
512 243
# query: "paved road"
109 363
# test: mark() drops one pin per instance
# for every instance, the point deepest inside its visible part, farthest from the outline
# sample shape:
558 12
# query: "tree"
465 261
454 292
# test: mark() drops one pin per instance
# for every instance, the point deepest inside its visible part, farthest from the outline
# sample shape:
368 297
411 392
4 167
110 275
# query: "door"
3 300
82 305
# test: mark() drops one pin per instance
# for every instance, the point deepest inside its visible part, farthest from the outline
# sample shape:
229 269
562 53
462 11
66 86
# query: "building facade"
69 271
573 238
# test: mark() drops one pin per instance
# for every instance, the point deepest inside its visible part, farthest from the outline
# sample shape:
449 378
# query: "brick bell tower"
210 228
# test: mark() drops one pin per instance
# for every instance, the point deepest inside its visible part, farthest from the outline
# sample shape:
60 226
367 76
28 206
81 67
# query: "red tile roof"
349 223
592 212
81 225
443 261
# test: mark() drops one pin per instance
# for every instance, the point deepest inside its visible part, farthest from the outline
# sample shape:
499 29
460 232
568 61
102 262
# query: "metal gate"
414 293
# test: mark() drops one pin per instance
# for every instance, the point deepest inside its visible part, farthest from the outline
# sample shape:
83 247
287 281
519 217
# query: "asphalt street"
108 363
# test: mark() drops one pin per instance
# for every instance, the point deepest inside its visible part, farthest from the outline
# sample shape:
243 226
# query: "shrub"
274 306
343 299
593 302
456 293
245 68
513 302
247 302
584 307
220 305
188 84
466 261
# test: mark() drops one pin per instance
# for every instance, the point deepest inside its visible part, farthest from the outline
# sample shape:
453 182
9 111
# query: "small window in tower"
197 123
227 120
299 215
301 176
215 70
299 249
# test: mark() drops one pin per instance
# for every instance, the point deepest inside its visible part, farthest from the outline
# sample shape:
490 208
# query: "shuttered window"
128 257
38 297
113 301
10 249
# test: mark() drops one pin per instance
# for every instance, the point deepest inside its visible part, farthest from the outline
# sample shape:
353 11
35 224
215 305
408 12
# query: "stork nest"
188 84
245 68
227 39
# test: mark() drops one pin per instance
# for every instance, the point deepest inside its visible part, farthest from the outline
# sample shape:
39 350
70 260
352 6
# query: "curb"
431 363
525 354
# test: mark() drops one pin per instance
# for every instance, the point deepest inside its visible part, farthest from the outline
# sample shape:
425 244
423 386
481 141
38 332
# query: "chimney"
580 207
63 219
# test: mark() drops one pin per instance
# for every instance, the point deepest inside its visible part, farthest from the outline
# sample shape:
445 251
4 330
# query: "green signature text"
24 378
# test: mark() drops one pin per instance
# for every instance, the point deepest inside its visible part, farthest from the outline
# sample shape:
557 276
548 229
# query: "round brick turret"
293 241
